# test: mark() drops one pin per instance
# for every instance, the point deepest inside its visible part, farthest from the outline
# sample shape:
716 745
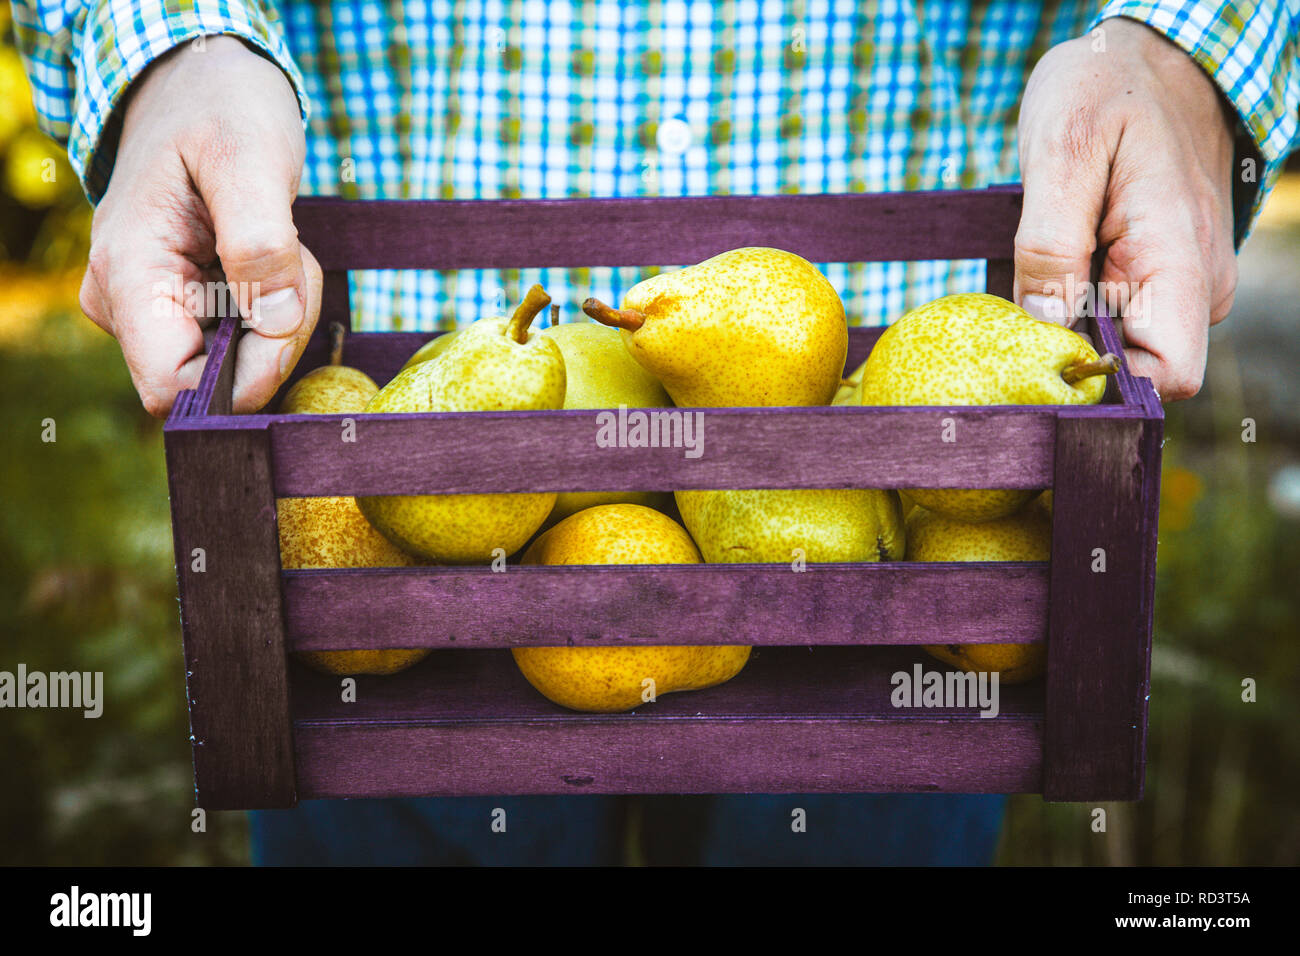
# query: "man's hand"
211 151
1130 150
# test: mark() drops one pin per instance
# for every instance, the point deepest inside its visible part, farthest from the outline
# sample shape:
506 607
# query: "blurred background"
87 580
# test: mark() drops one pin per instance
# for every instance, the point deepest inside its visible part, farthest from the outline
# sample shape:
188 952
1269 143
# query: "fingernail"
276 313
1049 308
286 359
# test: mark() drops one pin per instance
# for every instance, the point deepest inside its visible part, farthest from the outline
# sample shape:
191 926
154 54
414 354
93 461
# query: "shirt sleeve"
82 56
1251 49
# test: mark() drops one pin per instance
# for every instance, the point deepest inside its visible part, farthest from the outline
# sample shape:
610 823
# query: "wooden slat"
231 617
1151 455
892 603
217 384
1003 447
1099 639
1122 387
1000 277
783 756
794 720
641 231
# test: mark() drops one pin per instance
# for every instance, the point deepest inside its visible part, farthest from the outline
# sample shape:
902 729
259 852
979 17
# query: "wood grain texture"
217 383
796 720
453 452
231 617
642 231
1099 634
1153 440
888 603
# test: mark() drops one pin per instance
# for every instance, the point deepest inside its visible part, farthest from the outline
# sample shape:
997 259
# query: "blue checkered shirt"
528 98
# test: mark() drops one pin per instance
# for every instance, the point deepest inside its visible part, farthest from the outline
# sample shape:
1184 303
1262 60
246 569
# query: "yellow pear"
431 349
331 532
496 364
613 679
785 525
908 504
850 390
599 373
753 326
1023 536
979 349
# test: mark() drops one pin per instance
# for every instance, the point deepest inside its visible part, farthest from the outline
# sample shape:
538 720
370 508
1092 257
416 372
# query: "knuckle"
156 401
257 243
1182 383
1040 243
1225 291
88 298
98 269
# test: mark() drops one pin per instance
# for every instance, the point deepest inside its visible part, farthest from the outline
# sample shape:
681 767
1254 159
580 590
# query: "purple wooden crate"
268 732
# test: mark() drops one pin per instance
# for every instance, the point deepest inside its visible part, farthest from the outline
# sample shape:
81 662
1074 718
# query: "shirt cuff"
121 39
1252 53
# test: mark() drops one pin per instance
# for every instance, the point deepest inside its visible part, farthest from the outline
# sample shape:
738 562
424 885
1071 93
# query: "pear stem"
337 332
1108 364
627 319
534 302
555 315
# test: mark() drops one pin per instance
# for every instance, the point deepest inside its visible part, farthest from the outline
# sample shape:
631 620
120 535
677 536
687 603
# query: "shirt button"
674 136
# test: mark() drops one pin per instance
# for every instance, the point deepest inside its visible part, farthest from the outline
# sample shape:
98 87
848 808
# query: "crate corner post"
1100 618
228 574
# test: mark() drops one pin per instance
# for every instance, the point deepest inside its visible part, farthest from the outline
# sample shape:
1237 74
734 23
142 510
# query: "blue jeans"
855 830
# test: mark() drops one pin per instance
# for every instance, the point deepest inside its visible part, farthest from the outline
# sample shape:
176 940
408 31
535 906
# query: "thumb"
1058 228
249 195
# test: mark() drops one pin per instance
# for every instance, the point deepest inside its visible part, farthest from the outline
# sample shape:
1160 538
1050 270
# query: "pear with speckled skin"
431 349
978 349
1023 536
600 374
331 532
614 679
753 326
785 525
496 364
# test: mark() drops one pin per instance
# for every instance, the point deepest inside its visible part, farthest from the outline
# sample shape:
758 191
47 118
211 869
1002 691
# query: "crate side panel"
795 719
644 231
887 447
231 617
1099 621
889 603
691 756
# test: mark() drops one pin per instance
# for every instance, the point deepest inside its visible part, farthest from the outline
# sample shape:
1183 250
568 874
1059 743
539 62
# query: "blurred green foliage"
87 583
1221 773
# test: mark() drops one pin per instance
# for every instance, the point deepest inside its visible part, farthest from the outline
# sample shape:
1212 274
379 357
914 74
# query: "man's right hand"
207 168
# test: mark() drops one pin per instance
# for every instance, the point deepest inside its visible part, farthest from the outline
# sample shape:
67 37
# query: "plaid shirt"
537 99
